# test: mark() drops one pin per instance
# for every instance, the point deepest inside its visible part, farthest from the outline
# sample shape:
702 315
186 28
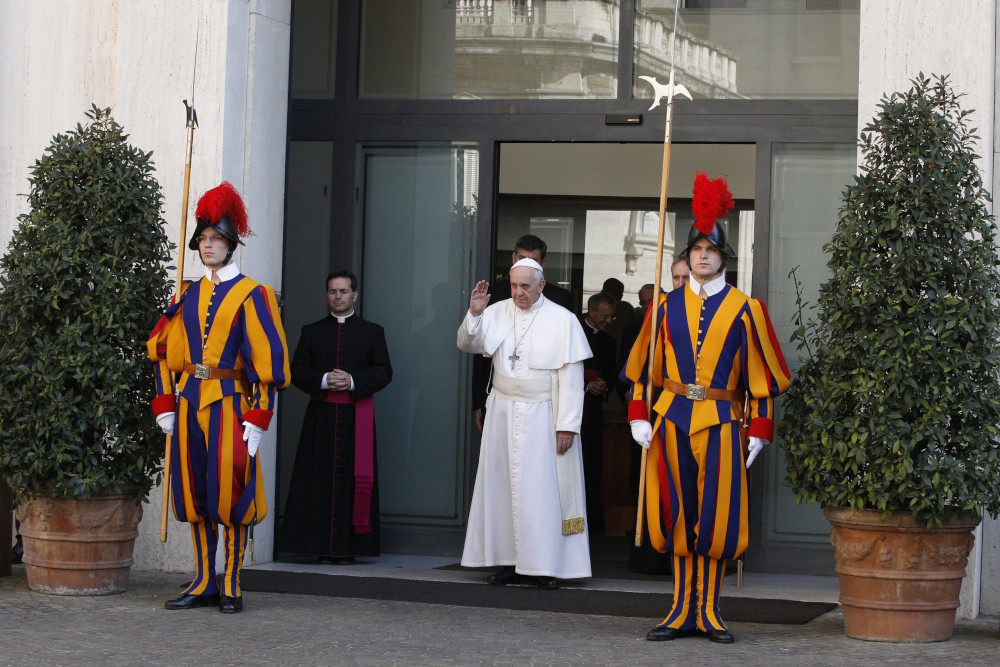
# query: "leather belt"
697 392
203 372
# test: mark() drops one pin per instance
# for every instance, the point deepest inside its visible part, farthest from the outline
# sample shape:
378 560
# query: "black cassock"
602 364
318 515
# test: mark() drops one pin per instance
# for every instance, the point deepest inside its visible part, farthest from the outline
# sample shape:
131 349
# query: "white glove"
166 420
642 432
252 435
754 448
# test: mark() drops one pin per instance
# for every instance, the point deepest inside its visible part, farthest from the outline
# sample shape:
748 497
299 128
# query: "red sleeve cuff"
762 427
163 403
259 418
590 374
637 410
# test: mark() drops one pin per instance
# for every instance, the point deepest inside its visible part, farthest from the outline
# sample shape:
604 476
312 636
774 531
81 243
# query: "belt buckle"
696 392
202 372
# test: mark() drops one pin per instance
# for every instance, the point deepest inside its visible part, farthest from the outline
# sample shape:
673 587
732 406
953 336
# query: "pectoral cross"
513 359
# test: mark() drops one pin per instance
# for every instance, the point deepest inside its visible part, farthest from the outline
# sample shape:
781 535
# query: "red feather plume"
711 201
224 202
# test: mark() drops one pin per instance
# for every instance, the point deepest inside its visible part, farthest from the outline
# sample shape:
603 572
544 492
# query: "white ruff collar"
228 272
711 288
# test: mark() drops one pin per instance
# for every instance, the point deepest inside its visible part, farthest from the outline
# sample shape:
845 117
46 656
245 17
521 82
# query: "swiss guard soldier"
223 341
716 350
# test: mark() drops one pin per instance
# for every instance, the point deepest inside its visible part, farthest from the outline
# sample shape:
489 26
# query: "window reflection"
489 49
751 49
808 182
314 49
568 49
419 217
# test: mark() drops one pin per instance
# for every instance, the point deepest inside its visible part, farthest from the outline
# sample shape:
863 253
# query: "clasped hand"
597 387
338 380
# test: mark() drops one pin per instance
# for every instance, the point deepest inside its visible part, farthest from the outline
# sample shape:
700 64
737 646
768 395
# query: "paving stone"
133 628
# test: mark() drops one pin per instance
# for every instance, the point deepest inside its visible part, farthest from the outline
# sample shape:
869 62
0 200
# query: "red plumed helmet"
711 201
222 209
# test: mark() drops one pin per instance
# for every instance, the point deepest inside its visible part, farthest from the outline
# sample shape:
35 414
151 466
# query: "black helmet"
224 226
716 237
222 209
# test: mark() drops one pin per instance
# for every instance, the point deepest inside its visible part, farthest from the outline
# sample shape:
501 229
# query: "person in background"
645 295
679 273
599 376
624 311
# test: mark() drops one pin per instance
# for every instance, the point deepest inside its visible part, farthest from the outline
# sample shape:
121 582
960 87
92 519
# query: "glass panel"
489 49
314 48
742 49
307 216
807 181
419 223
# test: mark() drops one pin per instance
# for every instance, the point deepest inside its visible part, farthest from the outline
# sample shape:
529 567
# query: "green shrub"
81 286
899 407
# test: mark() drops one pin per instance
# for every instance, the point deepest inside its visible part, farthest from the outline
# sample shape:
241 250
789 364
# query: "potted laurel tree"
892 422
81 285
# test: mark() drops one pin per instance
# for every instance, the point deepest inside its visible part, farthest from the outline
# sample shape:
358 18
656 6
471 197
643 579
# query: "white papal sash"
543 390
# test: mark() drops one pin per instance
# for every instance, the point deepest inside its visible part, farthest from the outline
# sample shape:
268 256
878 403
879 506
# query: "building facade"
413 141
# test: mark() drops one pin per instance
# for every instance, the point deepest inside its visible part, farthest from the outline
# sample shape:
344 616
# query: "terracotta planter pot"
6 527
79 547
899 580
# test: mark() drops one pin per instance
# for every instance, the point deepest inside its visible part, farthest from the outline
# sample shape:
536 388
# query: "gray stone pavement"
133 628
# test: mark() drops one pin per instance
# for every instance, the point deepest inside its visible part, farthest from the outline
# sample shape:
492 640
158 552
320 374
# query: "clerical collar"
228 272
711 288
536 305
341 320
590 326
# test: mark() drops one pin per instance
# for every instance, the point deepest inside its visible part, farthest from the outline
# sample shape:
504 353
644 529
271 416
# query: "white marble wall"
900 39
138 57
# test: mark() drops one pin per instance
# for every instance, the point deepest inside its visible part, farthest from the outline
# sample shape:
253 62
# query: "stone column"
899 40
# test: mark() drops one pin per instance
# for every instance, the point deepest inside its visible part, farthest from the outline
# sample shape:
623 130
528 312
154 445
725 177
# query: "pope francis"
527 513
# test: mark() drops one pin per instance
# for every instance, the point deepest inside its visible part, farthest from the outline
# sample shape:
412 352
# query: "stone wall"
139 59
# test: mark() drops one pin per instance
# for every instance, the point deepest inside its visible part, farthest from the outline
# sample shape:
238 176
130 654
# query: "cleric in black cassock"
599 375
340 361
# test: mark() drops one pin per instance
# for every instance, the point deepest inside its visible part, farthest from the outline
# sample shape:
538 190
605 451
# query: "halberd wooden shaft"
652 319
192 121
658 91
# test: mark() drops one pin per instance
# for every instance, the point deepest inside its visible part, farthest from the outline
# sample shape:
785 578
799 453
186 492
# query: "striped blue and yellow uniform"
696 482
234 326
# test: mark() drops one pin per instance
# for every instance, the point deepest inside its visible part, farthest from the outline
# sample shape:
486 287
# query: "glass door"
417 216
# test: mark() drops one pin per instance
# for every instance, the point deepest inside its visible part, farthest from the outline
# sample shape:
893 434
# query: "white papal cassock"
516 516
